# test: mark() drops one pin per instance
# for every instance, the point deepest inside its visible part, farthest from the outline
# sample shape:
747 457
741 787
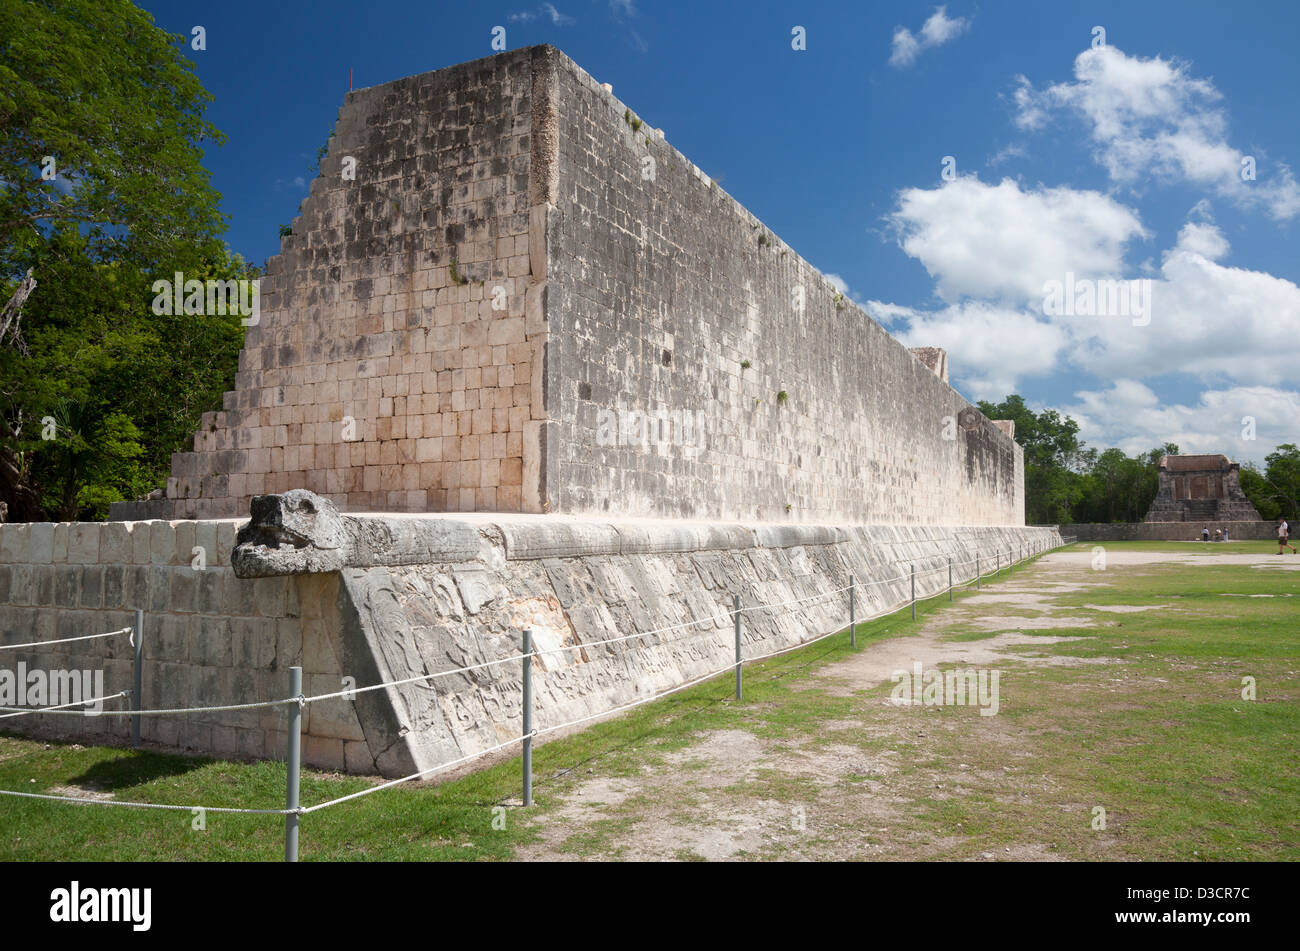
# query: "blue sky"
1115 160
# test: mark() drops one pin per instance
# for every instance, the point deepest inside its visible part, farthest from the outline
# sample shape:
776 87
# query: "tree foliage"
94 90
1275 491
1067 482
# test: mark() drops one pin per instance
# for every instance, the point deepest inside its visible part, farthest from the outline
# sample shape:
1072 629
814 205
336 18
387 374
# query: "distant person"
1218 534
1205 534
1225 534
1282 529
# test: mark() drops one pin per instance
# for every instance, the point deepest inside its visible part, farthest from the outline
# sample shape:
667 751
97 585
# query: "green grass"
450 821
1158 735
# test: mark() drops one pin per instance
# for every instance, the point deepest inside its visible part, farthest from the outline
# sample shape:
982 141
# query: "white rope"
66 640
560 726
410 680
406 779
177 710
146 805
869 584
721 670
779 604
24 711
630 637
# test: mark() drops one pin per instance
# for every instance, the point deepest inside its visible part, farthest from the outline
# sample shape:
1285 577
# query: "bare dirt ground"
849 788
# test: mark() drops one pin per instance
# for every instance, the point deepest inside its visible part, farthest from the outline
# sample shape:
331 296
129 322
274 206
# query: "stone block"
13 545
115 545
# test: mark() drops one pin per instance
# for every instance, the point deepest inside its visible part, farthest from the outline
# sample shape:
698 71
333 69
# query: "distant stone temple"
1200 489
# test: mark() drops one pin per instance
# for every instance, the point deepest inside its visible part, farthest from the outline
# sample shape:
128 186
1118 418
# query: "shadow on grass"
137 768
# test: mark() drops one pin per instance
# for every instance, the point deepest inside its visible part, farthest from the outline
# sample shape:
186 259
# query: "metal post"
294 763
139 678
950 580
977 571
528 716
736 605
853 630
999 555
914 592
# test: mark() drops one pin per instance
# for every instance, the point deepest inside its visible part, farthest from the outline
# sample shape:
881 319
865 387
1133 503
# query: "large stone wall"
210 638
379 312
214 639
382 376
664 294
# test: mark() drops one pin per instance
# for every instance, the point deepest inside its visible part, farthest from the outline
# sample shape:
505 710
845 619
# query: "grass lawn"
1143 716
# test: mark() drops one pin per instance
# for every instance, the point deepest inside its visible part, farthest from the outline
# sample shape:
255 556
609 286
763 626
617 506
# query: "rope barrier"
176 711
24 711
406 779
442 767
66 640
144 805
815 597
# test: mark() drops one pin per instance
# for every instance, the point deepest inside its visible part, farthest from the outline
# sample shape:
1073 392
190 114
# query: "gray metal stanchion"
736 605
950 581
999 557
914 592
853 630
138 688
528 716
977 571
295 764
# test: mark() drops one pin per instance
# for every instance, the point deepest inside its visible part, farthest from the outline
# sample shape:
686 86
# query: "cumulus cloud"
1003 242
1152 118
1130 415
991 348
1208 320
937 30
1203 239
992 249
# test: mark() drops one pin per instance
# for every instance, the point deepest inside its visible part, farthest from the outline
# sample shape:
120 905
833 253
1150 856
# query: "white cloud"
991 249
937 30
1207 320
1011 151
1131 416
838 283
1203 239
1152 118
545 11
1003 243
990 348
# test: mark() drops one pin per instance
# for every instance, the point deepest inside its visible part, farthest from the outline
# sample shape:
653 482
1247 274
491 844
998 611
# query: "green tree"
1275 491
1052 455
93 90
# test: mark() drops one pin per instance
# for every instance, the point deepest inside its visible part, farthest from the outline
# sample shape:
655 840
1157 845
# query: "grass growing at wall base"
412 822
1183 772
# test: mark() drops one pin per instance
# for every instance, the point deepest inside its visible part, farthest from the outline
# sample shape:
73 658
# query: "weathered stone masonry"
630 281
212 638
518 179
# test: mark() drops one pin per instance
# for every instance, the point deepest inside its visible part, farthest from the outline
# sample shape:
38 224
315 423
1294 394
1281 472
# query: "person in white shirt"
1282 529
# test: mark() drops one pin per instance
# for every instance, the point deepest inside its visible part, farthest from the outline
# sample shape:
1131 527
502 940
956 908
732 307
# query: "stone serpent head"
292 533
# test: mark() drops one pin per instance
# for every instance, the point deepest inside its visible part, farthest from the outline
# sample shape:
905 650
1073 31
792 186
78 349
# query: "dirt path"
846 788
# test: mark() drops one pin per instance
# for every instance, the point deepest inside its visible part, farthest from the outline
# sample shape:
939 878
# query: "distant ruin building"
1203 488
